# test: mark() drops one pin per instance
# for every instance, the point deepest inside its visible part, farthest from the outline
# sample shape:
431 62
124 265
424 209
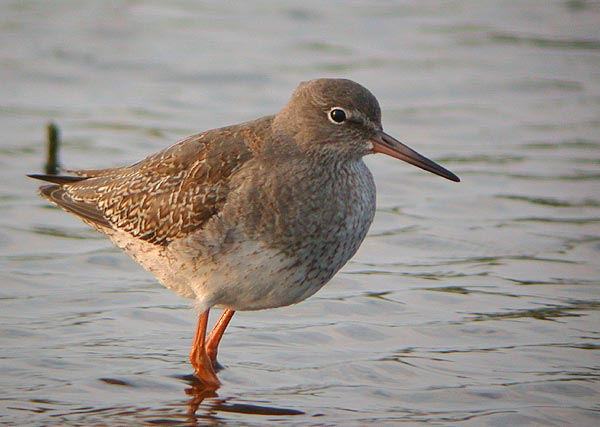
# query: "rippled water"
473 304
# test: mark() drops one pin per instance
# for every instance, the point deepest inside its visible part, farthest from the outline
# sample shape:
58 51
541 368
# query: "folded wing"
163 197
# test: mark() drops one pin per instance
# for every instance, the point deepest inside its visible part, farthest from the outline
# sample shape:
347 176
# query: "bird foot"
204 370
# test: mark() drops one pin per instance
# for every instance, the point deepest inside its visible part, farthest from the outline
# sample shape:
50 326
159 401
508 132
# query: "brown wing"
166 195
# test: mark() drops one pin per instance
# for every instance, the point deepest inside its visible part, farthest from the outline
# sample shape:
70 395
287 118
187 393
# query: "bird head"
340 119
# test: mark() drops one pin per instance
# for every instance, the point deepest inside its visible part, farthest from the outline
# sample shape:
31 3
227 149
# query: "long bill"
384 143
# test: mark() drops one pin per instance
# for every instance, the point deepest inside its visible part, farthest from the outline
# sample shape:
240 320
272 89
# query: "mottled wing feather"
88 173
165 196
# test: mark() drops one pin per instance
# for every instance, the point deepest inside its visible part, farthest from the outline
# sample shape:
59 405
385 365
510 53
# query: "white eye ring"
337 115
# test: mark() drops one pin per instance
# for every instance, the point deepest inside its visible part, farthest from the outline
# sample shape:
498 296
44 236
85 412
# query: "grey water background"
471 304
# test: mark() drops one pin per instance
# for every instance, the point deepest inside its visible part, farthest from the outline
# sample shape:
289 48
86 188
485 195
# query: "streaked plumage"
251 216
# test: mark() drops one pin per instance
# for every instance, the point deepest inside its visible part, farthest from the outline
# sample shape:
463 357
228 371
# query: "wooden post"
53 144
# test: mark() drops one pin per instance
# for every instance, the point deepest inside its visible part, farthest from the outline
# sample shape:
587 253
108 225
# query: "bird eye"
337 116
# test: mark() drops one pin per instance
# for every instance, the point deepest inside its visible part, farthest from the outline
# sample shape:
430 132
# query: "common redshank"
251 216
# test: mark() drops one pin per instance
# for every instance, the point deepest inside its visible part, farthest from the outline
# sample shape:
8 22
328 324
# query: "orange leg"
200 360
214 338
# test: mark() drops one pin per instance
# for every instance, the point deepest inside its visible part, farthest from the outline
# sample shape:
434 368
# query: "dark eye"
337 115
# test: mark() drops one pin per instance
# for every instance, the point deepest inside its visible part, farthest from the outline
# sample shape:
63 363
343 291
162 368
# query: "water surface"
473 304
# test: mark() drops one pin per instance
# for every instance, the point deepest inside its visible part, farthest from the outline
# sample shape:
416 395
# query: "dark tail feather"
57 179
89 212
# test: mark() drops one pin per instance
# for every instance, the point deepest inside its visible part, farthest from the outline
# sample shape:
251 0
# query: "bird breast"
317 213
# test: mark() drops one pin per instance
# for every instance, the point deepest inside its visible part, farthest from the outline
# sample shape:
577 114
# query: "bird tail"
57 194
57 179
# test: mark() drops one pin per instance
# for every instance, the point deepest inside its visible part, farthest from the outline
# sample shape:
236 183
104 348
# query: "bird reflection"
199 392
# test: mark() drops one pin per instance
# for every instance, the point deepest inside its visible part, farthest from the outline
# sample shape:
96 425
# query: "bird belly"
249 275
252 276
